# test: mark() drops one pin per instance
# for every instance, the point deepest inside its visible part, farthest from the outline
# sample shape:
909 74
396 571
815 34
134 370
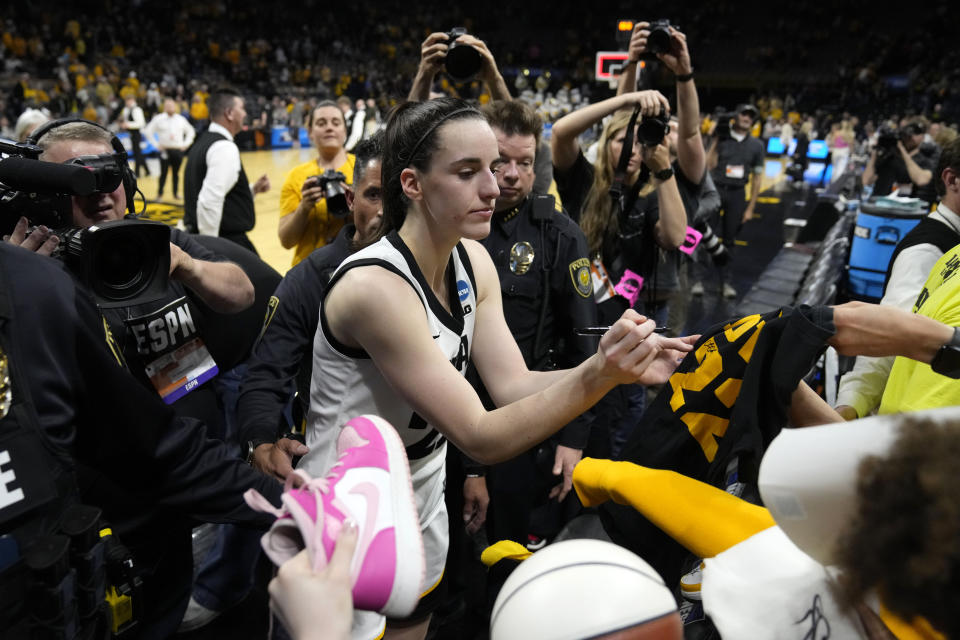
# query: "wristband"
475 475
687 77
252 445
663 174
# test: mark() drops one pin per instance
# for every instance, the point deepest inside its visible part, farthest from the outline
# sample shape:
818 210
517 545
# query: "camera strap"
541 210
620 173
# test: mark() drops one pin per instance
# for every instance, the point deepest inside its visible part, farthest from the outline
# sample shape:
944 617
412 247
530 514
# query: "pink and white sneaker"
370 484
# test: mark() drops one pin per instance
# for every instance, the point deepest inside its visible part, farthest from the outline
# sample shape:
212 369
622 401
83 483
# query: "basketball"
578 589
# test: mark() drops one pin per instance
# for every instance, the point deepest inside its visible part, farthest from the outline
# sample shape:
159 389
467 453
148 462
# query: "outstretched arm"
875 330
405 353
690 153
566 130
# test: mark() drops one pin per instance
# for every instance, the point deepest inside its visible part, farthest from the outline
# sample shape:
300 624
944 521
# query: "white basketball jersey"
346 383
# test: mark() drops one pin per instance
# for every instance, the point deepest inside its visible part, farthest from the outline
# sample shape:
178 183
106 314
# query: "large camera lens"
659 39
463 61
120 262
651 131
333 192
336 200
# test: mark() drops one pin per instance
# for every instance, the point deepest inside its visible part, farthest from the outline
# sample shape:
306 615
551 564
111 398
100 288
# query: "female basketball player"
402 317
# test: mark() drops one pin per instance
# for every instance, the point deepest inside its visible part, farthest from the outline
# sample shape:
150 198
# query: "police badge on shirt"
177 359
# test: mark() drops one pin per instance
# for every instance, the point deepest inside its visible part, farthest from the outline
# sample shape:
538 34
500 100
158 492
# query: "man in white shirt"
218 199
174 136
861 389
132 121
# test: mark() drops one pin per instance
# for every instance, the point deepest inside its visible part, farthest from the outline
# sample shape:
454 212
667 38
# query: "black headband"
436 124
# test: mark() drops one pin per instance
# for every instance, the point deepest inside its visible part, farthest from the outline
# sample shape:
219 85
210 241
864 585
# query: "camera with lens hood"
123 262
331 182
463 61
652 129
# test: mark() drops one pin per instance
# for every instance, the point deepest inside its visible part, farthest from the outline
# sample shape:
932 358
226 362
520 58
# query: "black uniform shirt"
521 248
737 160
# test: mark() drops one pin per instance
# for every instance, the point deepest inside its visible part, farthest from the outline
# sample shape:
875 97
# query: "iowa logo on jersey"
713 384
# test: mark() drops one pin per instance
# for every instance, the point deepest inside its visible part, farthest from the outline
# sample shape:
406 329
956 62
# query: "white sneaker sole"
405 593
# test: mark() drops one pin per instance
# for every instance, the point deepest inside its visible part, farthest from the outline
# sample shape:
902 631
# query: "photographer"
624 234
197 276
687 155
902 159
306 219
733 158
433 56
686 149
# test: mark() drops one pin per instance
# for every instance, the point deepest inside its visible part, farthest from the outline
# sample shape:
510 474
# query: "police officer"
284 350
541 258
76 426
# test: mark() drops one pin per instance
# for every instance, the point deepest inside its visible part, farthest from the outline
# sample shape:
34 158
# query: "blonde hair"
597 217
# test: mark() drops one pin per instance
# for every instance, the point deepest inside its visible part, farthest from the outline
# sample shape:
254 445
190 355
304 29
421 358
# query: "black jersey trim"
425 445
453 321
353 352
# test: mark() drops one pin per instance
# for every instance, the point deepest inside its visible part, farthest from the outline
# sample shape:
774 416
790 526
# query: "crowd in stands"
87 61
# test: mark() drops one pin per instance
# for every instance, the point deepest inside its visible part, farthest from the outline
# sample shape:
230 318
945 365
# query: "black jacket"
558 253
285 347
150 472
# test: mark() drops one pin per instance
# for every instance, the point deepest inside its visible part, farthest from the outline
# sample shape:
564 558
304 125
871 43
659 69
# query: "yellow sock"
702 518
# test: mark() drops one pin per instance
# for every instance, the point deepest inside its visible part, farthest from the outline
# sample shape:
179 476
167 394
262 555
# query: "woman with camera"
307 220
625 233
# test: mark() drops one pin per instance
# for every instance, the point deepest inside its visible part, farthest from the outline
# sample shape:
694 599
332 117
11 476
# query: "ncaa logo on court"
463 290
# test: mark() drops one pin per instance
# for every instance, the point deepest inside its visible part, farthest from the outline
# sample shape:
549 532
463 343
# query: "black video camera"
887 138
652 129
723 117
123 262
334 193
463 61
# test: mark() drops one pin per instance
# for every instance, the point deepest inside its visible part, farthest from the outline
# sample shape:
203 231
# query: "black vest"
927 231
238 212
